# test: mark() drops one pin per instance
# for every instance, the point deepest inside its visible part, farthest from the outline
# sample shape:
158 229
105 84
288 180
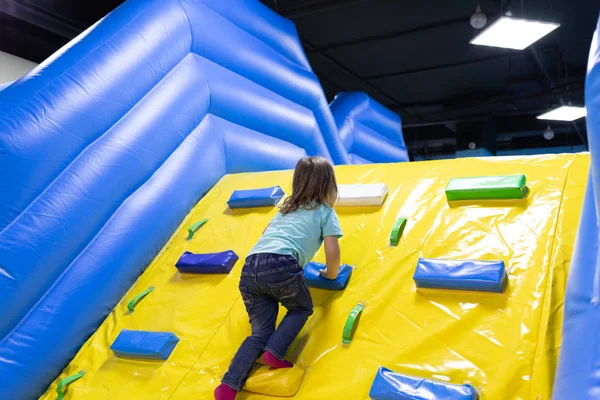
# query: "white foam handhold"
372 194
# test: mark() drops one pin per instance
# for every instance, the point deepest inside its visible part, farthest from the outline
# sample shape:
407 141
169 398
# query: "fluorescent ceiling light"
513 33
564 113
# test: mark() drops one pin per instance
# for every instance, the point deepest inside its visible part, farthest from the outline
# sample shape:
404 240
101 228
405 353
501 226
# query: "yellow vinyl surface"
505 345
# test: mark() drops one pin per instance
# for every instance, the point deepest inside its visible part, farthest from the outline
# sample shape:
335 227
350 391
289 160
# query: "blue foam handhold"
210 263
314 279
389 385
144 345
483 276
255 197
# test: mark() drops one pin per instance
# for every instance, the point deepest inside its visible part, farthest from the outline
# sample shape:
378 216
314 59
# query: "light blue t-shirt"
299 233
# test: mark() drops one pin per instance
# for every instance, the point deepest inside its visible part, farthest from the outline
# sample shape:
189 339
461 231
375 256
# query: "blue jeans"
267 280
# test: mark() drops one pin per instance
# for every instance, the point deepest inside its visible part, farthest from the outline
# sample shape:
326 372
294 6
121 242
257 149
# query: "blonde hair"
314 184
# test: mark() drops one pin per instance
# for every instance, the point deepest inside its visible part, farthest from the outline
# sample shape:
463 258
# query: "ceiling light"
513 33
479 19
564 113
548 133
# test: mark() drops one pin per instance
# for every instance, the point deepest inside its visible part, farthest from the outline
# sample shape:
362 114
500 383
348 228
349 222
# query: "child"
272 273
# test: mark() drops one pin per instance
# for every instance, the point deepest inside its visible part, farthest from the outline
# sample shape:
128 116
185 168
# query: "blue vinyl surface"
484 276
144 345
4 85
370 132
211 263
578 371
255 198
389 385
314 279
107 145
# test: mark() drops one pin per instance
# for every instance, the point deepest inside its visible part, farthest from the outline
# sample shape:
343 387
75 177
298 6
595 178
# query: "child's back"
272 273
299 233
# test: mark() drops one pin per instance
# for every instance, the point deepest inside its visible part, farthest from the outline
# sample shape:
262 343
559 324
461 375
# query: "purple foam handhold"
210 263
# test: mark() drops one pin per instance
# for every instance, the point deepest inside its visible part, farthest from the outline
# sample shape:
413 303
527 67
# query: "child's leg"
295 296
262 310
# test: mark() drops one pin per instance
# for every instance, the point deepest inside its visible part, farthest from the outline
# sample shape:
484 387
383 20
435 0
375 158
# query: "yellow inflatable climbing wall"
505 345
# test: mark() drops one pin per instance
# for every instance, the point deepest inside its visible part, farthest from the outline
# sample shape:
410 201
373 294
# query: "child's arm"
332 257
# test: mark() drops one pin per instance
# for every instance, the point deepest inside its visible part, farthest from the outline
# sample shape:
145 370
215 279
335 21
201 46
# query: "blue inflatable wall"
4 85
107 145
370 132
578 372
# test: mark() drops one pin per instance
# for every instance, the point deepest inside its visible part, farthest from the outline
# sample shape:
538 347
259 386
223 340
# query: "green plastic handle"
65 382
397 231
133 302
194 228
351 322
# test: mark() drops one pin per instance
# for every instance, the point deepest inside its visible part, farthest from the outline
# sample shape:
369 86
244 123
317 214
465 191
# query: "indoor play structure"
120 255
488 340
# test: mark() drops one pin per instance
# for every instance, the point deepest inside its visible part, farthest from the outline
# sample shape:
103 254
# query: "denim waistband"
268 263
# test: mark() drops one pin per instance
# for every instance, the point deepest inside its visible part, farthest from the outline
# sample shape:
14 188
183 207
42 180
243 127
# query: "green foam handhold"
397 231
351 323
194 228
65 382
487 188
133 302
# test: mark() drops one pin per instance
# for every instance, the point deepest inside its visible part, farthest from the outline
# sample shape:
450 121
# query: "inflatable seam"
92 241
187 18
82 152
102 44
376 133
254 36
547 278
275 52
316 135
313 100
221 135
595 299
208 343
355 112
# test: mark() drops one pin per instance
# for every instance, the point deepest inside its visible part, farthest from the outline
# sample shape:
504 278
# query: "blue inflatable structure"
314 278
211 263
265 197
144 345
476 275
389 385
578 371
108 144
4 85
370 132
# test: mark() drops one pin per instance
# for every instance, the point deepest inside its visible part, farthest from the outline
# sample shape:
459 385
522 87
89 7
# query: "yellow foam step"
281 382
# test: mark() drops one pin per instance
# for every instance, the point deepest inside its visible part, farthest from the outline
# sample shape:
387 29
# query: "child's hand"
327 275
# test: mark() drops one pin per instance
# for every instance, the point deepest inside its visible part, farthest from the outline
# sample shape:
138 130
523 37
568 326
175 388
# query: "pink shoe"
273 362
224 392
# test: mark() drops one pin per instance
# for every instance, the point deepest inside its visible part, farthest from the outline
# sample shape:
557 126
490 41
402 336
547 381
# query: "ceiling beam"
551 83
26 40
41 17
482 110
575 86
303 10
392 35
307 45
434 67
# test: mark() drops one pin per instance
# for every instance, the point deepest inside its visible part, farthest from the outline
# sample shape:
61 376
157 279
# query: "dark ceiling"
412 56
